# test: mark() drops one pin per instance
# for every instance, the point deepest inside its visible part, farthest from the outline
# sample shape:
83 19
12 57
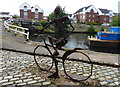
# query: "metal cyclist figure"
59 40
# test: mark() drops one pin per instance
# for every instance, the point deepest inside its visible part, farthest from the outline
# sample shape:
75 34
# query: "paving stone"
108 77
106 74
4 81
24 77
19 81
14 79
31 82
8 77
111 72
110 80
27 74
46 83
115 79
111 85
8 83
21 84
103 83
36 78
41 80
27 80
102 78
116 83
32 76
1 78
19 75
92 77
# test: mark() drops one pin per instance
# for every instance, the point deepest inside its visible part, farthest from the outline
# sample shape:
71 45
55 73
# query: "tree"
62 13
116 21
52 15
43 23
91 30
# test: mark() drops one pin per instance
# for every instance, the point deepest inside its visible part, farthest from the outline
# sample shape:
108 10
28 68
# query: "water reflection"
77 41
74 40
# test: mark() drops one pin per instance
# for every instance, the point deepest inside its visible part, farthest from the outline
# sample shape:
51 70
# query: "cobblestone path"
13 71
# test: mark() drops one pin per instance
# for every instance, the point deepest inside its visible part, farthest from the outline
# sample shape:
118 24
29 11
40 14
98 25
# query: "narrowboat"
106 39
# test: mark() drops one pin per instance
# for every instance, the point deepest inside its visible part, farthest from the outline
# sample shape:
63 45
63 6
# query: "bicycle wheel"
44 63
76 66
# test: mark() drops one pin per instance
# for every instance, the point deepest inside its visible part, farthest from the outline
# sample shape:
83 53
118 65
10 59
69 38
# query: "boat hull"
104 43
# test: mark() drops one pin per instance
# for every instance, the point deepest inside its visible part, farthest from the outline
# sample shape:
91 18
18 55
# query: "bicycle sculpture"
69 59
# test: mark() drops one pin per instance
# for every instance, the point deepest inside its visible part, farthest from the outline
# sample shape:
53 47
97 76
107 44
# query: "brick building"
91 14
4 15
30 13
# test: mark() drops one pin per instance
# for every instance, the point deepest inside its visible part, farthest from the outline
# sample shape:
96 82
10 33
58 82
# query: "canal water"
74 40
79 41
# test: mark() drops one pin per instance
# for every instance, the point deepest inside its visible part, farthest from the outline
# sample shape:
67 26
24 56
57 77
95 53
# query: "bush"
94 23
101 28
80 23
116 20
91 30
43 23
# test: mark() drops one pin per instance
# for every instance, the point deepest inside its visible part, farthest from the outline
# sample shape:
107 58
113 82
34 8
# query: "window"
89 15
105 19
36 11
25 17
89 20
25 8
25 13
36 16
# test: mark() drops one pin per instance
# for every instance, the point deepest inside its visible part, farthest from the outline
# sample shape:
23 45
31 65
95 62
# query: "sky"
48 6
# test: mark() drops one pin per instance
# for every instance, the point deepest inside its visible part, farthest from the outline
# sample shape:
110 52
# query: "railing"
16 29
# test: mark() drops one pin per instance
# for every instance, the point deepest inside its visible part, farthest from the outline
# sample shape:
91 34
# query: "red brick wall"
32 15
102 17
40 15
91 17
29 14
21 14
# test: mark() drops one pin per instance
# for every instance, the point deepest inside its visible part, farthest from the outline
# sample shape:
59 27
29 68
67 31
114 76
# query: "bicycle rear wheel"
44 63
76 66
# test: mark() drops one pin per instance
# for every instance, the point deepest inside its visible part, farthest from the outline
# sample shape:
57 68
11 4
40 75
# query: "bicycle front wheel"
44 63
77 66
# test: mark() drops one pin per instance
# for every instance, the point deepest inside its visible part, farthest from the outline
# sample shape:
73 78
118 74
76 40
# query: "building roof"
4 12
81 9
104 10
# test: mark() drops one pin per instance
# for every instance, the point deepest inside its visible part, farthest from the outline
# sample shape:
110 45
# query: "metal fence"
16 29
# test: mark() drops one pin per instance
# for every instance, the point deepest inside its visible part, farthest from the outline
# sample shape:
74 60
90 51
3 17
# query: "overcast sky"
48 6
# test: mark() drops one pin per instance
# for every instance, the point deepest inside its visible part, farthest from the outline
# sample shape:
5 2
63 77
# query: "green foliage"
80 23
91 30
52 15
14 16
101 28
63 25
94 23
43 23
116 21
39 27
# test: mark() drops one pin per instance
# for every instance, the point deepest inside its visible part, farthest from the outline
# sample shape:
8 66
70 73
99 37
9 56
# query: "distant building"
105 16
30 13
91 14
4 15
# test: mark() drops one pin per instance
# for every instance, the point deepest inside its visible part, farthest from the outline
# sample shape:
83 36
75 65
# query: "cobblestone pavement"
13 71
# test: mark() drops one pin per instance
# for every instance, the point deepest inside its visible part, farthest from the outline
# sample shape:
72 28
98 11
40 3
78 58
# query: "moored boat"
105 39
